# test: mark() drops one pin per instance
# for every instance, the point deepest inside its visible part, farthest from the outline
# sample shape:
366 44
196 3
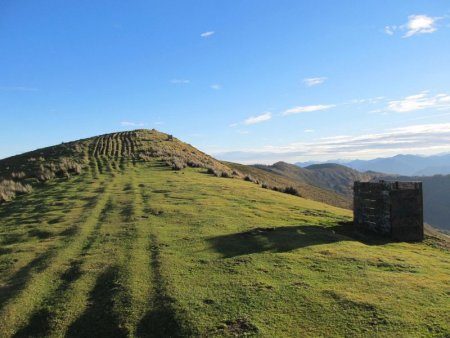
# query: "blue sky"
249 81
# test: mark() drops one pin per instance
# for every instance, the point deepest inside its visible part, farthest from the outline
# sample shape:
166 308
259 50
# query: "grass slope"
280 180
18 174
335 177
131 248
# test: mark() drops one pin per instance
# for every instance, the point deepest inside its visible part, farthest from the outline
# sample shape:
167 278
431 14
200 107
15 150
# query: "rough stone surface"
391 209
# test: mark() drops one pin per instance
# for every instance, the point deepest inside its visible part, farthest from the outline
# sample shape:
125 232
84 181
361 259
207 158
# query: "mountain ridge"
406 165
18 174
129 247
331 176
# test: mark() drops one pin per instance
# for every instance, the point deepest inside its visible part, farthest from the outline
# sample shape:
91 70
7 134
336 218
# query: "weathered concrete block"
393 209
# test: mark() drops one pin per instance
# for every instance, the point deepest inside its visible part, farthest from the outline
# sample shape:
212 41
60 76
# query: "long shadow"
26 206
162 320
39 325
287 238
99 319
17 282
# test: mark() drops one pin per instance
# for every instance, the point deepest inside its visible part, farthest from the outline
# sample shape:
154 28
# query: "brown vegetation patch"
239 327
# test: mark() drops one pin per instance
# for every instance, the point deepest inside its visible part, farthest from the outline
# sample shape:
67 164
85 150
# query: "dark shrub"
225 174
236 173
291 191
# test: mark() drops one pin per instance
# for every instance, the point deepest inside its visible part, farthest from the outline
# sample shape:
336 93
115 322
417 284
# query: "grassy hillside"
131 248
280 180
334 177
340 179
20 173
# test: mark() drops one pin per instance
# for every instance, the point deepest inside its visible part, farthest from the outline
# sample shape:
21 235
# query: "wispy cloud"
414 139
419 101
18 88
242 132
207 34
308 130
258 119
180 81
131 124
417 24
295 110
314 81
307 109
390 30
216 86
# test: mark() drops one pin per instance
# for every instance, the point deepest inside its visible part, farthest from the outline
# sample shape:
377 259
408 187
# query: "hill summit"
109 151
123 246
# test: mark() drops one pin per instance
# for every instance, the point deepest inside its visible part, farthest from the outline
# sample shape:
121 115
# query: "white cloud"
180 81
314 81
417 24
420 24
390 30
216 86
443 98
308 109
369 101
131 124
257 119
309 130
419 101
414 139
207 34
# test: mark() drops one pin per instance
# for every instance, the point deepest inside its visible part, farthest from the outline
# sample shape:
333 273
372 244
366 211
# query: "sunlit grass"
139 250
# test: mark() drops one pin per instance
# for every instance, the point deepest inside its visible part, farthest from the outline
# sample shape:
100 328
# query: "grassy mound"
133 248
18 174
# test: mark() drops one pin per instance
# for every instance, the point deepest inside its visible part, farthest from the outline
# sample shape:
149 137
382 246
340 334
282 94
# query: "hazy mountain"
282 180
332 176
138 234
408 165
436 195
340 179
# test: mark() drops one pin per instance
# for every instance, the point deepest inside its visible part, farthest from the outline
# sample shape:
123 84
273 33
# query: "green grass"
109 152
132 248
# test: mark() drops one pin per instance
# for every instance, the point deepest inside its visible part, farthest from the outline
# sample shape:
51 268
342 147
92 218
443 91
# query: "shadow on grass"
161 320
17 282
287 238
99 319
39 325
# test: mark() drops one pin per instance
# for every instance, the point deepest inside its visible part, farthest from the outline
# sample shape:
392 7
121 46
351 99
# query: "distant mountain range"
139 234
407 165
436 196
331 176
339 179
